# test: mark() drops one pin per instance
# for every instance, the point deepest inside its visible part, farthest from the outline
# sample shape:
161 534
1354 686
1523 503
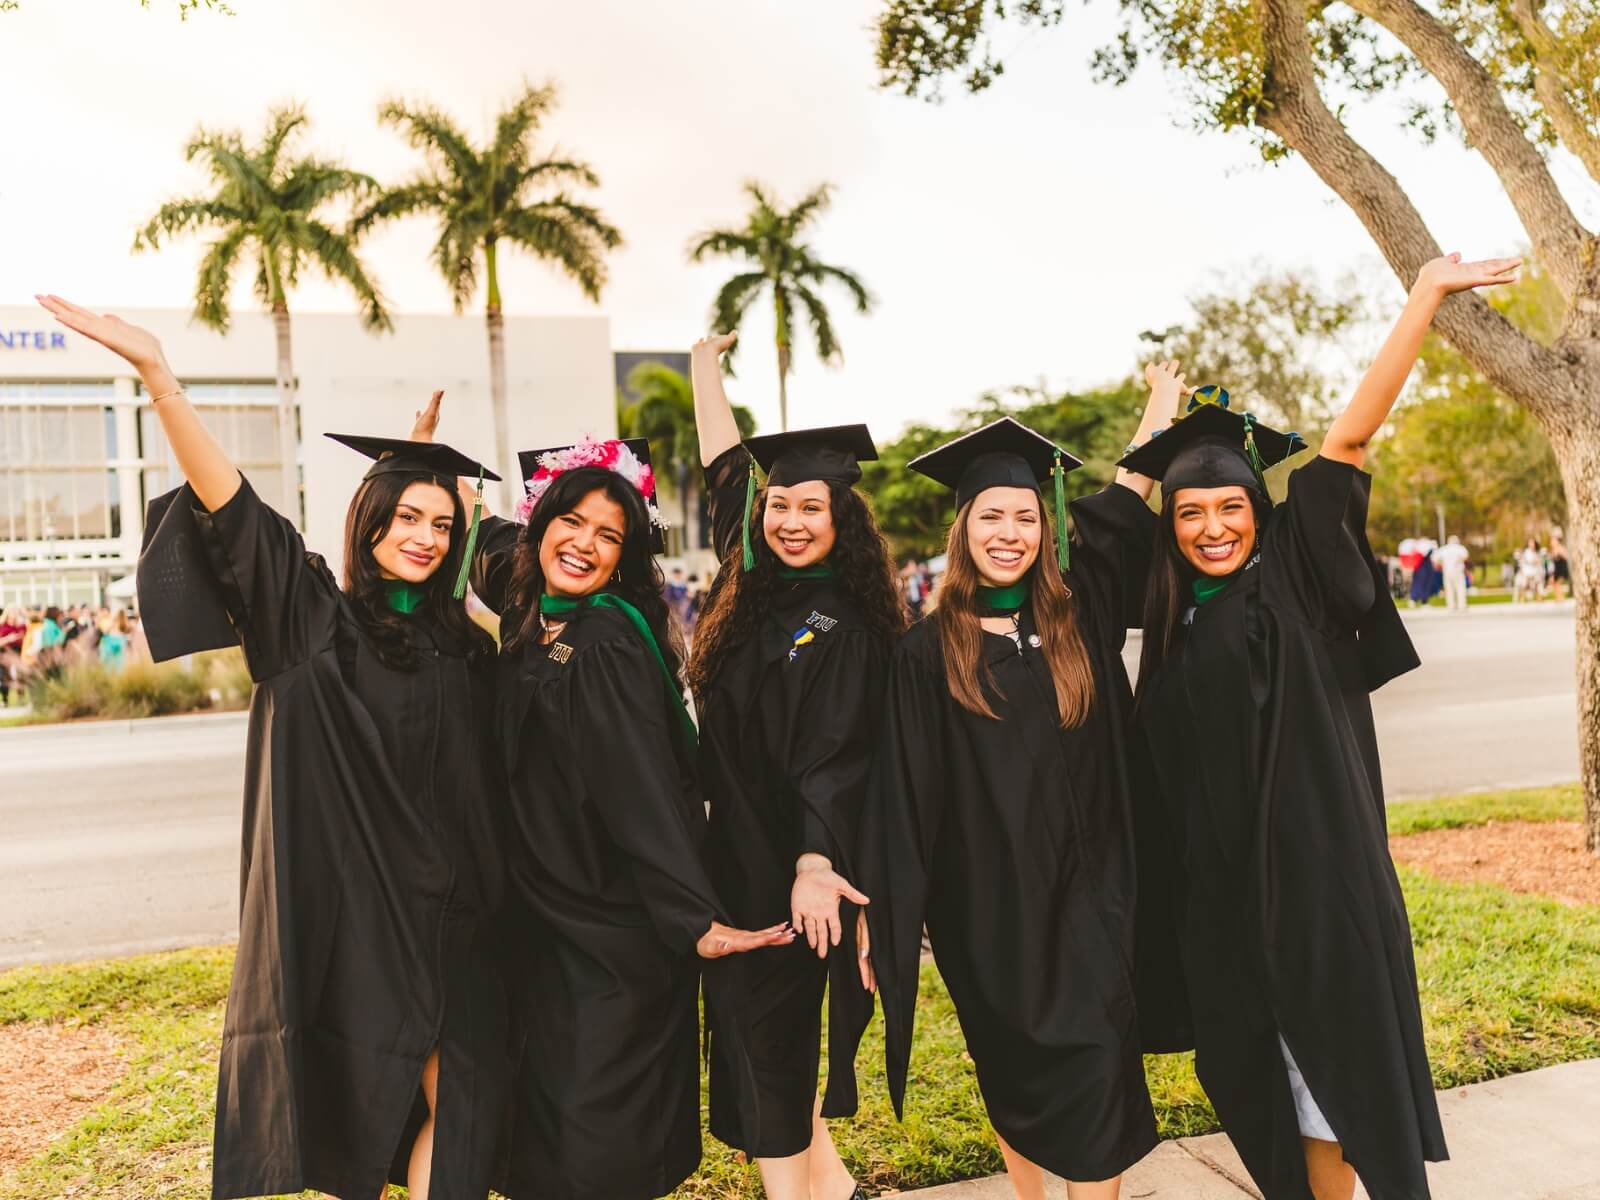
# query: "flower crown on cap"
612 454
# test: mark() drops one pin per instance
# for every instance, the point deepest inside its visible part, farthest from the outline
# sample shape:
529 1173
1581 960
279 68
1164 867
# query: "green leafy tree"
915 513
664 413
270 205
502 193
786 267
1273 343
1517 80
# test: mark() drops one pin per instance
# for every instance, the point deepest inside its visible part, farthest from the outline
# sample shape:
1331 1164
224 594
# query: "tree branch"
1559 238
1295 111
1548 85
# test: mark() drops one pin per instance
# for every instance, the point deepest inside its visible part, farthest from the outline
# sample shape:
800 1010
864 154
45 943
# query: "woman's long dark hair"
741 599
370 515
1167 592
641 580
1055 616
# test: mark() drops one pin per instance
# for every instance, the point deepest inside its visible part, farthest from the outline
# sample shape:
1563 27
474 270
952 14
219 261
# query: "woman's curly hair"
741 599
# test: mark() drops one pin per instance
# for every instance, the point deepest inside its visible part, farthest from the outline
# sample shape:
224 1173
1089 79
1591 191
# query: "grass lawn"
1509 983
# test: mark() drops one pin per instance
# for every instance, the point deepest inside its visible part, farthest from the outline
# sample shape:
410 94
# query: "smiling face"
1215 528
582 546
1003 533
418 537
798 523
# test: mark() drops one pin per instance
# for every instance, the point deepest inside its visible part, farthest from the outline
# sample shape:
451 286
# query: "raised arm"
1166 389
713 415
208 469
1380 386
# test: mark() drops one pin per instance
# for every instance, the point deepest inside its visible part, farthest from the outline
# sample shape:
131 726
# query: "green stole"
404 597
1208 586
1002 601
814 571
560 606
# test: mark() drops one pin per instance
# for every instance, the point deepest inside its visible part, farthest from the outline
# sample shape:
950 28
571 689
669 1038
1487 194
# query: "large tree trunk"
1577 450
288 419
497 380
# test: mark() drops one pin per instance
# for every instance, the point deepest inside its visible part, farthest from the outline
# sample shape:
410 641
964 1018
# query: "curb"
129 726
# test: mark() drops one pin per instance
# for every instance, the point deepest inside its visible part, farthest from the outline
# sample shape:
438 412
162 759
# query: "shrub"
142 689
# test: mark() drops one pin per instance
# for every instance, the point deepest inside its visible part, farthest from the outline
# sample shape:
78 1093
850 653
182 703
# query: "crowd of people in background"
916 586
42 641
1421 569
685 596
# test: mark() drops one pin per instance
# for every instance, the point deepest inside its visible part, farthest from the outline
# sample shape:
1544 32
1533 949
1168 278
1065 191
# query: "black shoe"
858 1194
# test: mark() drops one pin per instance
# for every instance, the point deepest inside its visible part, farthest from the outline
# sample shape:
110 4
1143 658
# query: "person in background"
1452 559
114 639
915 591
1530 571
13 628
1560 569
676 594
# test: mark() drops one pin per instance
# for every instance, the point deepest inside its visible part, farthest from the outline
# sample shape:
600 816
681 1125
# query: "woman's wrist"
812 861
158 378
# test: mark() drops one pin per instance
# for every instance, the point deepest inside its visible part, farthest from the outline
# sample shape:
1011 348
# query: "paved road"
124 837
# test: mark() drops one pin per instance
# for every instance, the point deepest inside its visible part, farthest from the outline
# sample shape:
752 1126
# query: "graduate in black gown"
366 1036
788 669
1002 812
606 852
1266 628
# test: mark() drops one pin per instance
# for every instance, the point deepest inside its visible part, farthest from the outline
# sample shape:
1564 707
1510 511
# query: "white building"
81 452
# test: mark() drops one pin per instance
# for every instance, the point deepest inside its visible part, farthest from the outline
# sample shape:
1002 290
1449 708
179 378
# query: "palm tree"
500 193
769 242
267 202
664 413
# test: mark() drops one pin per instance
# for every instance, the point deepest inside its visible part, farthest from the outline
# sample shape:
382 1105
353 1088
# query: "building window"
243 419
56 481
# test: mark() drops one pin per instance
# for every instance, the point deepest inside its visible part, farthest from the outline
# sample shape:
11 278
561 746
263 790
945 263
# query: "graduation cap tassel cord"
460 590
749 503
1063 546
1253 453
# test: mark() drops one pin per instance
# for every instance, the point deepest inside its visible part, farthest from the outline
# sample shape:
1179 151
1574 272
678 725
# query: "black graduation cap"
594 452
1004 453
1211 445
833 453
421 458
393 455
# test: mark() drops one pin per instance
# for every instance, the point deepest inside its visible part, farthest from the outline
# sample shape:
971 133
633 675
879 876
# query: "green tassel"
749 503
1063 548
472 541
1253 453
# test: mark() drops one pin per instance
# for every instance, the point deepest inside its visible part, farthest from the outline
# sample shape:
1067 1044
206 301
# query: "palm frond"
282 122
810 206
436 135
557 170
215 279
821 323
423 194
310 183
723 243
182 216
335 254
570 235
231 168
783 312
512 128
455 256
852 283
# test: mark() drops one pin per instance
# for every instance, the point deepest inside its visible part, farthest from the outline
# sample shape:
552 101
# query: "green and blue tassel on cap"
472 541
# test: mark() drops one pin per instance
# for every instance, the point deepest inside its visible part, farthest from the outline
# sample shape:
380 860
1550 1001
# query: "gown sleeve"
625 736
899 830
1113 535
248 558
492 561
1316 560
727 480
833 753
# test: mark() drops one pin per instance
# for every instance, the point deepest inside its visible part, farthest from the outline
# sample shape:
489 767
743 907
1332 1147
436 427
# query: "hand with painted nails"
427 422
814 902
869 977
1444 276
721 940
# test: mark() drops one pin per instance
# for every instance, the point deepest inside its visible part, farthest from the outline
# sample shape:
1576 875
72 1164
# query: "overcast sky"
1027 233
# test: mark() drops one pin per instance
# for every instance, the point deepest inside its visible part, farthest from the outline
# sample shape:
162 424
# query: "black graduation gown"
787 728
370 868
606 864
1291 918
1014 840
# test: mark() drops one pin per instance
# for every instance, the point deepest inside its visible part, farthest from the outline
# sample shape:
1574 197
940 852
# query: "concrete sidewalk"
1526 1137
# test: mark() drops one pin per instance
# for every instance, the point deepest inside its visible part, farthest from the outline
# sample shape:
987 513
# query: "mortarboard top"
420 458
1212 446
1004 453
833 453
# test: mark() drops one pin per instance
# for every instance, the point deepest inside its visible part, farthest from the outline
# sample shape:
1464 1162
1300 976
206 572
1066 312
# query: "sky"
1027 234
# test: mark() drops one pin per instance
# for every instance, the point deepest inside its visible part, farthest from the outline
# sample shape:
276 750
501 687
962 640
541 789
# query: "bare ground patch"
51 1075
1539 858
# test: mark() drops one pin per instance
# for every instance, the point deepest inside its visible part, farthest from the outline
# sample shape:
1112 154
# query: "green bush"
142 689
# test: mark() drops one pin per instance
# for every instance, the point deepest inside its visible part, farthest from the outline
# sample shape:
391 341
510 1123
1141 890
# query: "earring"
616 576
